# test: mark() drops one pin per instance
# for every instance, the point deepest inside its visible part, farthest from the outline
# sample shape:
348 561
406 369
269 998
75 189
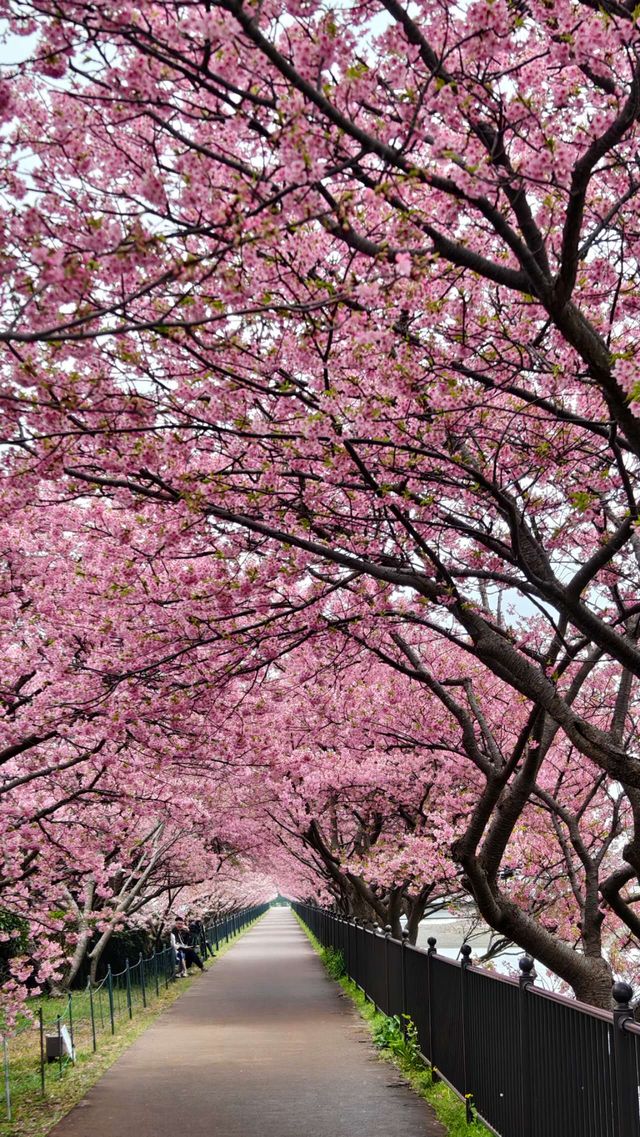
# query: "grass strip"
34 1115
400 1046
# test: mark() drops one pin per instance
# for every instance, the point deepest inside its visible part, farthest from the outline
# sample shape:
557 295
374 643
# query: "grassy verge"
400 1047
33 1114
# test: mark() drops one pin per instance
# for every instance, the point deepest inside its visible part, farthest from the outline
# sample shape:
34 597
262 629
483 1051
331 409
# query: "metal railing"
74 1025
532 1064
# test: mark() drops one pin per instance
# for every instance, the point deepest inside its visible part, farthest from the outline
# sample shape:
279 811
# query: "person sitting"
197 935
183 945
177 952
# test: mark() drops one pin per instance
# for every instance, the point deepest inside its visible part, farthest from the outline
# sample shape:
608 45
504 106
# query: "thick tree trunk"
96 953
75 962
415 908
589 976
595 987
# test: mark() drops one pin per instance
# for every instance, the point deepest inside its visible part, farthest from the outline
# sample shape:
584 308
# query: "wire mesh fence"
62 1029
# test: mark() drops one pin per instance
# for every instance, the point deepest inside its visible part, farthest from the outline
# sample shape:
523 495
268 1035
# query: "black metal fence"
65 1028
532 1063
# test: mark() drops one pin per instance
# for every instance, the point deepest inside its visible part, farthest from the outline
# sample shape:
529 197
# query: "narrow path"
265 1045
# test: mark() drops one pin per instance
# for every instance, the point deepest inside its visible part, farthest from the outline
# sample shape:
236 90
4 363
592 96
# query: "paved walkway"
264 1045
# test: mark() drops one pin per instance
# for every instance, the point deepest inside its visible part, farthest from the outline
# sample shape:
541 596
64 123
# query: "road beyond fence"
265 1044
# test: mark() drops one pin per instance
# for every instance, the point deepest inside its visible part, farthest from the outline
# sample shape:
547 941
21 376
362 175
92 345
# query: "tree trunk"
75 962
589 976
95 955
415 908
595 987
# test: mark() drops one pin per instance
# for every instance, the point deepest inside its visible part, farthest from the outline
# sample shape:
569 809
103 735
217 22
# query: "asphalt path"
264 1044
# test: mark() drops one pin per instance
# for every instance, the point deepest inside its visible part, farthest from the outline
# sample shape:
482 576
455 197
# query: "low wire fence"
63 1029
531 1063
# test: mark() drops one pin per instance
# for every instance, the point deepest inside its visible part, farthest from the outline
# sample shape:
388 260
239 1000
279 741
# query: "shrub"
397 1034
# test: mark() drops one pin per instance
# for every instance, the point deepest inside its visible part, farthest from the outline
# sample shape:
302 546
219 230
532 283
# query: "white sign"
67 1046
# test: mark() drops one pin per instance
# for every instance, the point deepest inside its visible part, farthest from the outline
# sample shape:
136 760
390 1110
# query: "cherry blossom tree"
402 803
462 470
376 780
328 312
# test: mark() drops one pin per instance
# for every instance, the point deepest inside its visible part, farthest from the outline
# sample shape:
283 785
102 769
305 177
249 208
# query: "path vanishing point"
264 1044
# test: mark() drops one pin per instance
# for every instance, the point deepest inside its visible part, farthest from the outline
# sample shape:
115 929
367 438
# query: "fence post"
59 1046
526 978
465 952
435 1077
127 976
110 994
403 977
626 1078
155 973
366 925
70 1007
387 933
143 988
355 967
42 1068
93 1019
7 1080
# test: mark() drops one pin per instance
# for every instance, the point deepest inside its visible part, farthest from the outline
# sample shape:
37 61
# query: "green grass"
33 1114
398 1044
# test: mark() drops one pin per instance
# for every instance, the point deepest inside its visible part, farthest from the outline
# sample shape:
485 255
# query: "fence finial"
432 941
465 952
526 964
623 994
